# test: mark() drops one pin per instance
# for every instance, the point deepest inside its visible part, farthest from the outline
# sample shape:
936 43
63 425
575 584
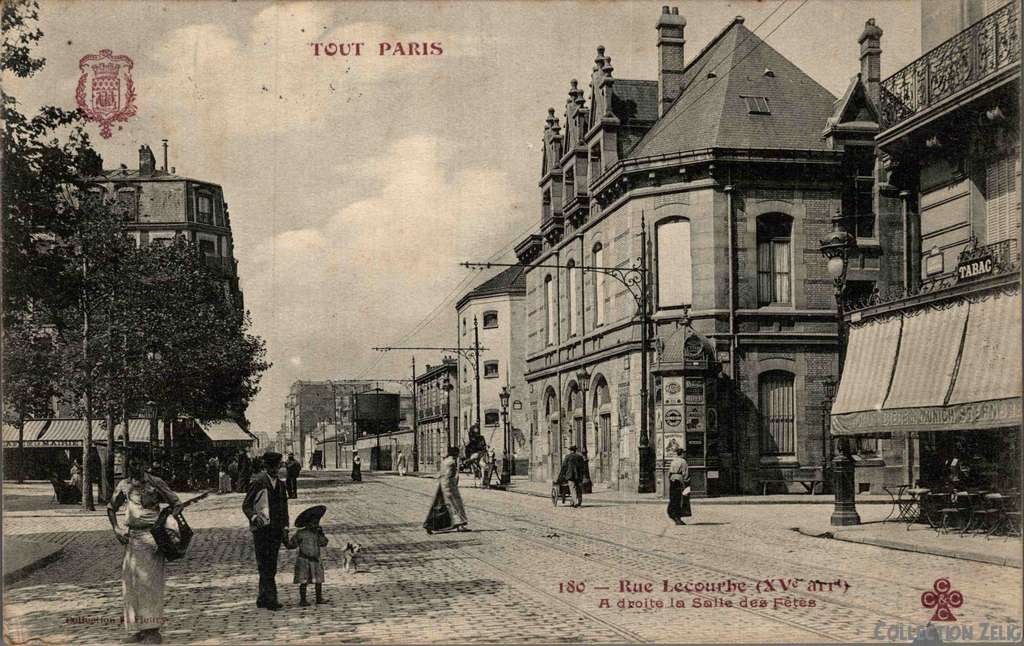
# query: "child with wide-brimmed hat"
309 538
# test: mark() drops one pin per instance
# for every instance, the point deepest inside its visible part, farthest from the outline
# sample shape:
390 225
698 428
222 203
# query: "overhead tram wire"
451 297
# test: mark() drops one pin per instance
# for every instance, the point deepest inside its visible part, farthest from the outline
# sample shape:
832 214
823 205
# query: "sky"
356 185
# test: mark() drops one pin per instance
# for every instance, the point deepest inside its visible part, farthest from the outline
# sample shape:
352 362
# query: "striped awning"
66 433
226 431
957 368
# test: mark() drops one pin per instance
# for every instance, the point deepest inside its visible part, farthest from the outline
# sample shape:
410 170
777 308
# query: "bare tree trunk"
87 502
21 447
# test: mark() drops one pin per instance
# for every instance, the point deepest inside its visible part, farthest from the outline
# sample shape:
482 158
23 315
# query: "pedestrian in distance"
573 472
401 463
76 475
679 488
223 480
309 538
491 468
142 569
266 508
294 467
447 513
357 467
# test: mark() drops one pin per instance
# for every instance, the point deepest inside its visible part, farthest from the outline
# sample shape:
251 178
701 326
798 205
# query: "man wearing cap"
266 507
573 471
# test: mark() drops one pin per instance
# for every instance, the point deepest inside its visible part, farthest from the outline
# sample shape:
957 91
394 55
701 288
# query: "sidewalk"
920 538
23 557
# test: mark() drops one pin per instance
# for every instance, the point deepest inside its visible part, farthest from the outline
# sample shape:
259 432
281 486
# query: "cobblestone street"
509 579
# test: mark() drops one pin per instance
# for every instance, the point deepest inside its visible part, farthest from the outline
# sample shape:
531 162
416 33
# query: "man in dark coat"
294 467
266 507
573 471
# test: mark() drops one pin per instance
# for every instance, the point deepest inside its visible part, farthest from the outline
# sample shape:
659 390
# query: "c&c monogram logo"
943 598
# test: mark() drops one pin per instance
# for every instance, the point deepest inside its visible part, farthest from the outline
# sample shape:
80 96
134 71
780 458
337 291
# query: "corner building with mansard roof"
733 162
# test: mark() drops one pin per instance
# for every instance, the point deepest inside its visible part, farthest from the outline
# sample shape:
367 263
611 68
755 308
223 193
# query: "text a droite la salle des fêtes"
773 593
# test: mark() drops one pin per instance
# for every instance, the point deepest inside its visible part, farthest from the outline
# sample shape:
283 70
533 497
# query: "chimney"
147 162
165 155
871 60
670 56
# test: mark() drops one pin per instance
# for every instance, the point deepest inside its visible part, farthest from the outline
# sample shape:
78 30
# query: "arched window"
774 278
599 285
549 310
777 403
574 297
675 265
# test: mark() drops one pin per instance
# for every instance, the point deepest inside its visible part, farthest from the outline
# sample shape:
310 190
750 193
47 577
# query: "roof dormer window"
757 104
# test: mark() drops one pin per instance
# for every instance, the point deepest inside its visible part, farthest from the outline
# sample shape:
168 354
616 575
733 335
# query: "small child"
309 538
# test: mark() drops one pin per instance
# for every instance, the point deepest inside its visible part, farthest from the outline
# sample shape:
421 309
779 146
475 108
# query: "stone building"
730 166
933 372
437 414
495 311
160 205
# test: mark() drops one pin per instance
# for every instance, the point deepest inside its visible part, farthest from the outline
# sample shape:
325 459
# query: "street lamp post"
836 248
448 387
506 473
583 378
153 433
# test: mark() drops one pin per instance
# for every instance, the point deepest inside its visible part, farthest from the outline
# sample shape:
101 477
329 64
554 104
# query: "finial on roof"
871 30
608 69
739 19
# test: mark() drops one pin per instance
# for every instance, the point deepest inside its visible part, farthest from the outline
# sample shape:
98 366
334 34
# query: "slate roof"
510 281
711 112
635 101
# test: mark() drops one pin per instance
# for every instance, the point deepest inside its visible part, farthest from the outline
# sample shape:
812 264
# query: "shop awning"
138 431
957 368
226 431
64 433
871 352
33 427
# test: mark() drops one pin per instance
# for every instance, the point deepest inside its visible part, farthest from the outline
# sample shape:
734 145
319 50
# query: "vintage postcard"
511 322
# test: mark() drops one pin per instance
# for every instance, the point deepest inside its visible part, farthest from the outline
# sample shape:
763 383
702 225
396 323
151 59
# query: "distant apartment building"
436 413
495 312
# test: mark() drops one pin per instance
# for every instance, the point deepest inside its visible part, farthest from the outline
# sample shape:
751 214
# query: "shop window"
674 263
1002 197
128 202
573 297
549 310
599 286
867 446
858 196
205 209
490 319
490 369
491 418
777 405
774 279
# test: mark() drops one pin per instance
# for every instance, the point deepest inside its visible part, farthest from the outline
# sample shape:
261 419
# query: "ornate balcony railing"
986 47
1005 258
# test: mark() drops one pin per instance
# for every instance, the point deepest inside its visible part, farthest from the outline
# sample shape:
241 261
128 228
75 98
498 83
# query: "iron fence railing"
1005 257
986 47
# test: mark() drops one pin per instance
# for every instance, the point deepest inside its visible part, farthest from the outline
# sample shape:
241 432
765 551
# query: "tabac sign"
974 267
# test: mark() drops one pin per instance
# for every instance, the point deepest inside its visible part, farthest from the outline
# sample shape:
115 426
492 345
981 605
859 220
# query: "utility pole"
415 422
476 369
646 457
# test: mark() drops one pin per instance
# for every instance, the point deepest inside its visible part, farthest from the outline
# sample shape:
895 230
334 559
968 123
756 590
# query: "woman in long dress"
678 488
447 512
357 467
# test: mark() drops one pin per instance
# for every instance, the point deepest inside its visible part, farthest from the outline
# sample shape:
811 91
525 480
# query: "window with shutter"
774 277
778 420
1002 197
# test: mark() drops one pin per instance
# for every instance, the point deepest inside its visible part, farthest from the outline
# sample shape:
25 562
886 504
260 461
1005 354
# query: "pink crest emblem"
106 93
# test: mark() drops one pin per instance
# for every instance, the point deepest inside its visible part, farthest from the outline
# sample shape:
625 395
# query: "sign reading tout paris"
106 92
